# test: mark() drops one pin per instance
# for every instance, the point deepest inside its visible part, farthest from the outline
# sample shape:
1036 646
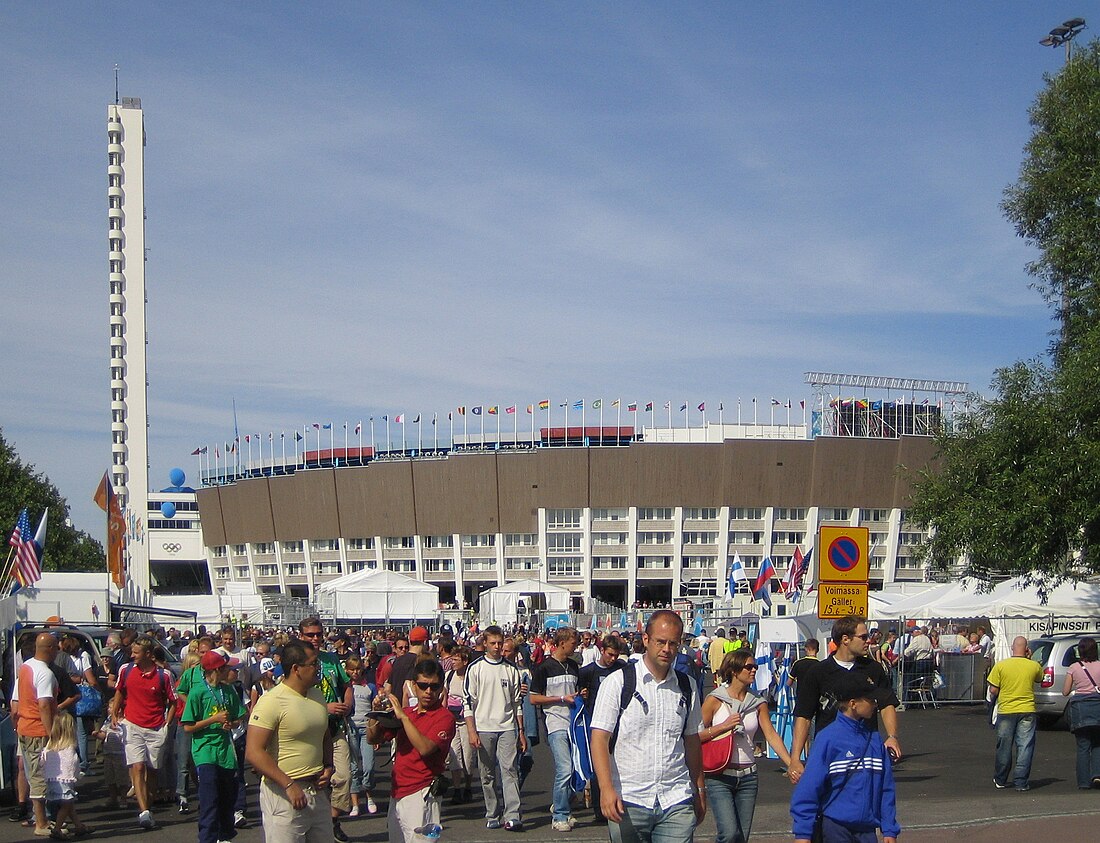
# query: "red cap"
213 660
418 635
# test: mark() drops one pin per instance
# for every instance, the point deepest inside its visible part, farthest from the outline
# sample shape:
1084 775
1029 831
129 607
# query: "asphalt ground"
944 782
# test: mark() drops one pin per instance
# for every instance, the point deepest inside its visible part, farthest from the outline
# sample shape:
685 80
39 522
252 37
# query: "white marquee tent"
501 604
1007 600
379 595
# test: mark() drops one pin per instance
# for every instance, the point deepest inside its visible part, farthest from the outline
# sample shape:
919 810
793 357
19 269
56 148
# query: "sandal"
59 833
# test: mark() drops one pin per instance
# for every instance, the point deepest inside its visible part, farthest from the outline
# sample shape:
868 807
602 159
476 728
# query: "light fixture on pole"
1064 34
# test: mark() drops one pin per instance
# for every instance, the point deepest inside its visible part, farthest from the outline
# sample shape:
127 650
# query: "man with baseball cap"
403 665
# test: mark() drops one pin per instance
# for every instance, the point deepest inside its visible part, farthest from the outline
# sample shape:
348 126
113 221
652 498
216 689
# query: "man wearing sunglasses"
823 681
422 744
290 745
339 699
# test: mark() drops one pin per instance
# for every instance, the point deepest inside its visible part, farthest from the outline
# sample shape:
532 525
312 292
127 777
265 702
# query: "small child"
362 750
213 709
116 775
61 769
849 778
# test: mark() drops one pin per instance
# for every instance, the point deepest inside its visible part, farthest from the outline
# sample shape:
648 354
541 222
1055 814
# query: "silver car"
1055 653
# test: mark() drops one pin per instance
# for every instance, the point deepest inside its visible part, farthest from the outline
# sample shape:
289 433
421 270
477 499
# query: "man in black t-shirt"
816 699
591 675
805 664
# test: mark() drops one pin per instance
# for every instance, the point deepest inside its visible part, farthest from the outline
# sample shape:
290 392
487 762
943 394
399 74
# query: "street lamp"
1064 34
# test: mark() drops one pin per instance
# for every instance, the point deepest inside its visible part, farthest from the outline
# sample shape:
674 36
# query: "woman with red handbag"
732 715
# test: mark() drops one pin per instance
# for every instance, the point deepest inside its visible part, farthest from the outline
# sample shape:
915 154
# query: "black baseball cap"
854 686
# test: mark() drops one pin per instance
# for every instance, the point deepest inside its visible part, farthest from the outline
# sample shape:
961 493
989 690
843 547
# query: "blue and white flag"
582 753
697 630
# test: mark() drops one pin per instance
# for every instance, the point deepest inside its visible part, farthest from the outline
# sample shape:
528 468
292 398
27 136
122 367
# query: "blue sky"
357 209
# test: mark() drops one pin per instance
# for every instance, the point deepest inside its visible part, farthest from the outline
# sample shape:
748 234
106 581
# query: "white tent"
379 595
501 604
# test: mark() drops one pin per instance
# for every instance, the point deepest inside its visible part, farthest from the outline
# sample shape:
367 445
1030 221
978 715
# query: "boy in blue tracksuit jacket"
849 776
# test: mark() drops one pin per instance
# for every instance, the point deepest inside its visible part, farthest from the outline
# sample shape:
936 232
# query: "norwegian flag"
792 584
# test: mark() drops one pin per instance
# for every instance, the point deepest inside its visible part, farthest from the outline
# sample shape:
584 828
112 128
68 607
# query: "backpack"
630 692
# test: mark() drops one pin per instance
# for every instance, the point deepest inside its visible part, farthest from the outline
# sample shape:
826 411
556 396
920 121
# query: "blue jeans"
1018 730
362 759
217 794
562 750
1088 755
834 832
652 825
732 801
183 760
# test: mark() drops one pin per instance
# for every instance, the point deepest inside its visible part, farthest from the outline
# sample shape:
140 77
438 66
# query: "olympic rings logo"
172 547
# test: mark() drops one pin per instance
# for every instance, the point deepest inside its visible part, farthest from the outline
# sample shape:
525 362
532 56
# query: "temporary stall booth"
373 596
509 602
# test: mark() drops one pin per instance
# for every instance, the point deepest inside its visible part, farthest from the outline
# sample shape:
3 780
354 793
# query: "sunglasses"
750 667
312 634
425 686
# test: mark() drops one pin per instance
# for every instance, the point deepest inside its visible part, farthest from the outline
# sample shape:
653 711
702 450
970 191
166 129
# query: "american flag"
792 585
28 550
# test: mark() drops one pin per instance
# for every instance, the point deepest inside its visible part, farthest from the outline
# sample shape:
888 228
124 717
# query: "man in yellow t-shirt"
1012 685
290 745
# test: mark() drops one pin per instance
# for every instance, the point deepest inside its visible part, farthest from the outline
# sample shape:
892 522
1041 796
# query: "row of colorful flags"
760 587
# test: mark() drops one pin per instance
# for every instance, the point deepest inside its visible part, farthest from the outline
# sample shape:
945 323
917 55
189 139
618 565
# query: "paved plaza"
945 793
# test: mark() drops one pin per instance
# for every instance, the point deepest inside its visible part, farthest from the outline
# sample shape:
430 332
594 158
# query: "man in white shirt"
651 782
590 652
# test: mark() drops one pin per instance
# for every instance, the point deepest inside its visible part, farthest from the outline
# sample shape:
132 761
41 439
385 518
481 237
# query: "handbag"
718 753
90 703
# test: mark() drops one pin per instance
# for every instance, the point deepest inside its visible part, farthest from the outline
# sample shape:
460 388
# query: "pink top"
1082 683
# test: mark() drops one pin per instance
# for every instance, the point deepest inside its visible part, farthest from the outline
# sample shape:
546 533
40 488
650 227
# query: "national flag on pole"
399 418
683 407
198 451
632 407
462 411
22 528
737 574
28 553
326 426
476 411
530 409
597 404
544 405
702 406
763 581
649 407
297 436
792 585
316 425
578 405
417 419
511 411
106 500
492 411
358 427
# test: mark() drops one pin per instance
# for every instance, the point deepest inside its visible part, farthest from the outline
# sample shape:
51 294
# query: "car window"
1040 651
1071 656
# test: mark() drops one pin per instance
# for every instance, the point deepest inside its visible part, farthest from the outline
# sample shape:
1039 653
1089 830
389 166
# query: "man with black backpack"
651 783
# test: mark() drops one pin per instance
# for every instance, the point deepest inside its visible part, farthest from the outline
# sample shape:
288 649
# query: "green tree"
67 549
1016 487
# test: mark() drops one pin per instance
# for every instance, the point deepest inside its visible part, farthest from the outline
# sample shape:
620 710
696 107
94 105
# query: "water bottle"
431 831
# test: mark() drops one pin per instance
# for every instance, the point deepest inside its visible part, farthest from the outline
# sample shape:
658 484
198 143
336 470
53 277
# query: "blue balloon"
168 509
176 476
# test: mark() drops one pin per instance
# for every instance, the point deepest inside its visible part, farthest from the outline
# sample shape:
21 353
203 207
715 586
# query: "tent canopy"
501 604
380 595
1007 599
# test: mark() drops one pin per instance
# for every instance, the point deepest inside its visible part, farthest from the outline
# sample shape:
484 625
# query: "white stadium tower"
129 404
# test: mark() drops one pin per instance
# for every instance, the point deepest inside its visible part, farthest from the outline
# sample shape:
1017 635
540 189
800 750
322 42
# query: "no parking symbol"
845 556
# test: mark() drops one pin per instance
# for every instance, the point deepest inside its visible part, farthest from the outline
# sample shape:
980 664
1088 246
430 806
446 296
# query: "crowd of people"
319 715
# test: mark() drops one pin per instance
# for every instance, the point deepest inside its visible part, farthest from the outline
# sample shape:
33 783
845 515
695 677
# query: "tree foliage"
1016 487
67 549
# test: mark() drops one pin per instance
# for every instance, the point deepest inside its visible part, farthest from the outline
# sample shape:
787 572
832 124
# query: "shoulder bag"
718 753
1084 709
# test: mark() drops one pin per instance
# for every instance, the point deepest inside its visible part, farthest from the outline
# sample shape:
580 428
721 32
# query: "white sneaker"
372 806
562 825
354 812
239 819
145 820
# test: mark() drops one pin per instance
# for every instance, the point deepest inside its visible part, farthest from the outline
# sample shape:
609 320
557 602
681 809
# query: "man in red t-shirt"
146 703
422 743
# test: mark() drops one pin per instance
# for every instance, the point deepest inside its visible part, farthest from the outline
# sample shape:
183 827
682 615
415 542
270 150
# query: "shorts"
31 750
60 791
144 746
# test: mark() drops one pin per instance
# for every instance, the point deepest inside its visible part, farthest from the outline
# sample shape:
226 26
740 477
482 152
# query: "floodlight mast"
1064 34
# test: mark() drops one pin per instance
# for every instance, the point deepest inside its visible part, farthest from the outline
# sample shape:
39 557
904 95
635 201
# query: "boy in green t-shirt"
213 709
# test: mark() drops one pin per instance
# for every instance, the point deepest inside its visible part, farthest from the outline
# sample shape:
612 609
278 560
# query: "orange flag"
106 500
